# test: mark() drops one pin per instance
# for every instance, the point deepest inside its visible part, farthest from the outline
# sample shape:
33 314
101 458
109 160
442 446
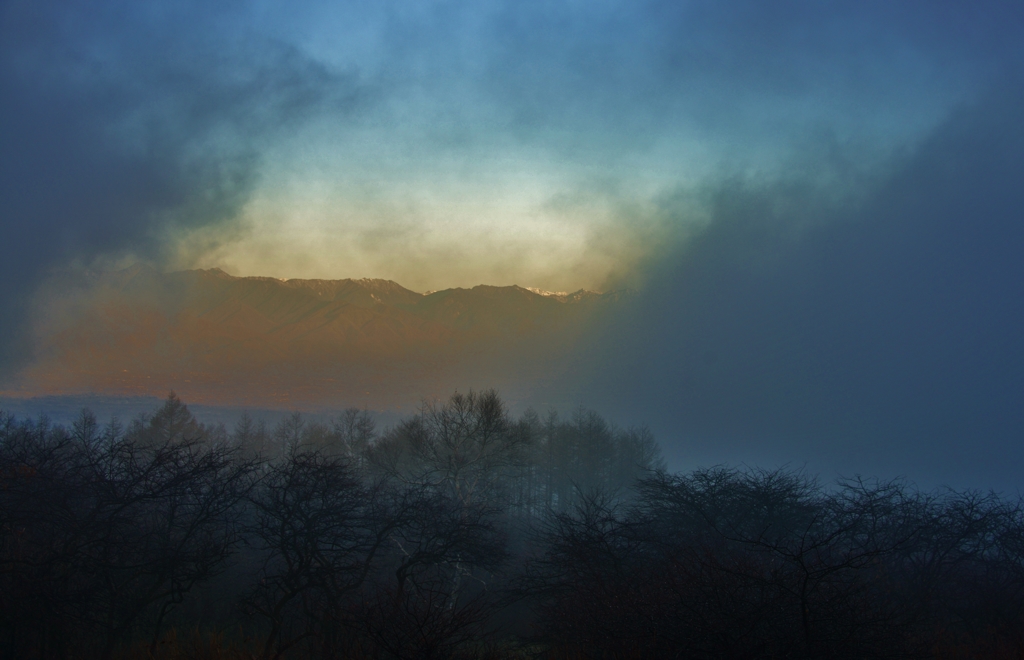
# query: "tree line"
465 532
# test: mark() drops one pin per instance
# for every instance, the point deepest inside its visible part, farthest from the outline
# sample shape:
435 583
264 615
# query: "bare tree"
355 430
318 528
464 445
441 560
106 532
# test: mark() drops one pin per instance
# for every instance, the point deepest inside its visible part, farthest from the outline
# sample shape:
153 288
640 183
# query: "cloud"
823 240
124 123
880 335
492 118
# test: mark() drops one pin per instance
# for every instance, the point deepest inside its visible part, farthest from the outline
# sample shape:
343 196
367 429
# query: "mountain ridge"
223 339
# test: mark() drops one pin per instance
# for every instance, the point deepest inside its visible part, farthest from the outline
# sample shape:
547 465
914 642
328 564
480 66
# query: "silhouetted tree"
464 446
106 531
355 430
318 528
250 436
721 564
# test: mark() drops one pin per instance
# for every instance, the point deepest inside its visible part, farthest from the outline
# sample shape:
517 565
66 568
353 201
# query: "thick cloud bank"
124 123
880 336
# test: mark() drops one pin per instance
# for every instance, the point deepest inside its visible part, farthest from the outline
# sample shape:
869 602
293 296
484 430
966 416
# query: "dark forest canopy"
464 532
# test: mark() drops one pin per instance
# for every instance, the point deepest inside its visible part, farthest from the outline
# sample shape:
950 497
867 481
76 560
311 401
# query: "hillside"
260 341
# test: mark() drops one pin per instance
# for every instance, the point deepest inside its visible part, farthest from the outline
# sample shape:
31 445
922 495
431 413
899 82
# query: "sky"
818 201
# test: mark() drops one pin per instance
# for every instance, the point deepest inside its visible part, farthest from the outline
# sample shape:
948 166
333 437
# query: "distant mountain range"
265 342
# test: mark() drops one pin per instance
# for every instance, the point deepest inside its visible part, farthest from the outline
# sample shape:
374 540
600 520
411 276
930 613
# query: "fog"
454 144
873 333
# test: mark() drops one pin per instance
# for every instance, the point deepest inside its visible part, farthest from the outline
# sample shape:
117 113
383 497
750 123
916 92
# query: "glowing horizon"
455 144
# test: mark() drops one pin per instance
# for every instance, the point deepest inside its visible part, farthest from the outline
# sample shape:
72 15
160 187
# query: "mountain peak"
215 336
364 291
547 294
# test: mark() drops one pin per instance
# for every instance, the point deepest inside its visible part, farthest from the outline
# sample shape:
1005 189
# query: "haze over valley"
302 344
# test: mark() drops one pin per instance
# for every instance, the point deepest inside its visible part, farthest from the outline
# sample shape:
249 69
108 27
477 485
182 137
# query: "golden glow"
432 235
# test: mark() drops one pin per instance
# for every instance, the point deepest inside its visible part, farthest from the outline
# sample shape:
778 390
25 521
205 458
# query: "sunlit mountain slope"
308 343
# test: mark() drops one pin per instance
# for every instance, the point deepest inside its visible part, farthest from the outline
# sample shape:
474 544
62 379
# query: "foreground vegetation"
463 532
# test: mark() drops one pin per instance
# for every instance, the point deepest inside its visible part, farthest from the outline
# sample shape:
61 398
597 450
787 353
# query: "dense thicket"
463 532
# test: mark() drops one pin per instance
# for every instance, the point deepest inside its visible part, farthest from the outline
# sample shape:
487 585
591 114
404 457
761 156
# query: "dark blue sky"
819 200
